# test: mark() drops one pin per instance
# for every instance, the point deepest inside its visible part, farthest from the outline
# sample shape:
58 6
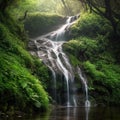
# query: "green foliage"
86 48
92 47
12 24
69 7
41 71
107 9
18 87
74 61
91 25
94 73
4 4
21 83
33 6
37 23
105 78
72 7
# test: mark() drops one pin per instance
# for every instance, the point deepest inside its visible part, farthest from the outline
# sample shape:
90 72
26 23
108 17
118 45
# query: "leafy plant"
18 87
91 25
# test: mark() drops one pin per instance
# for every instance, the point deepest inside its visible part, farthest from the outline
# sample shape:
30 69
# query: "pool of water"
75 113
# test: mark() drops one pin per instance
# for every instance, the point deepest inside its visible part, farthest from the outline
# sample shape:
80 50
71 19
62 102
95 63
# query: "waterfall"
59 35
84 82
54 83
49 49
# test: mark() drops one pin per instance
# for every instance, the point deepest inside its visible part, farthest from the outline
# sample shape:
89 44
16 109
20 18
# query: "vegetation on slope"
38 23
93 48
23 78
20 74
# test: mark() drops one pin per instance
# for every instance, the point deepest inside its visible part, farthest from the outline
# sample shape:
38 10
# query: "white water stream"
84 82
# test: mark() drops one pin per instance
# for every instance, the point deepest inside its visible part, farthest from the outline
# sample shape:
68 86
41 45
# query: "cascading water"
84 82
49 49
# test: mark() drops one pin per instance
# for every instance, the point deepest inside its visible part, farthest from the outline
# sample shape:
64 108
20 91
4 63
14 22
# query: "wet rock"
53 55
32 46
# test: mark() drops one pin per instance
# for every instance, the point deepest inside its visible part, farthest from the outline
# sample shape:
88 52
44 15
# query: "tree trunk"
3 6
109 15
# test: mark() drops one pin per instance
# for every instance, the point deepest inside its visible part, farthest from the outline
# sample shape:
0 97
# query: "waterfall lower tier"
49 49
84 82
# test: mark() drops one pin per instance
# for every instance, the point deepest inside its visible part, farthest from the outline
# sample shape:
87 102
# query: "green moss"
74 61
105 78
91 69
37 24
93 47
20 84
91 25
86 48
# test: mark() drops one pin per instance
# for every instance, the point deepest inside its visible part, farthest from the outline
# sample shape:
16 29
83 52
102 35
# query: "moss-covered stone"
37 24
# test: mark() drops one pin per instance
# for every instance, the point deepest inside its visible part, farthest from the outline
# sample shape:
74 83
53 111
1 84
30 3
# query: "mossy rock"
37 24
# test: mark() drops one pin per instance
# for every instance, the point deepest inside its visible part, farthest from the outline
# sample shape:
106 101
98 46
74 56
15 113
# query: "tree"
4 4
107 8
71 7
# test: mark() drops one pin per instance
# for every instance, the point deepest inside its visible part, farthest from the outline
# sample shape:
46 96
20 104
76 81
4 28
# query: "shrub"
18 87
104 78
91 25
86 48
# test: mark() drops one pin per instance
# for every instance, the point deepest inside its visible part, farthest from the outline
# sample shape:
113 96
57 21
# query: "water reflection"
87 109
74 113
70 113
83 113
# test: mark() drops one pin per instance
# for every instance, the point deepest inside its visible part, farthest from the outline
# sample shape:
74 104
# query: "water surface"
100 113
79 113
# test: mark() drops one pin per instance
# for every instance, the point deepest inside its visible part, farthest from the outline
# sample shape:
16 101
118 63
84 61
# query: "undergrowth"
92 44
20 74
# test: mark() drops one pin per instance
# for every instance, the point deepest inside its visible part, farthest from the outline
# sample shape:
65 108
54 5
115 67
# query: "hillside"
25 81
95 48
20 73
